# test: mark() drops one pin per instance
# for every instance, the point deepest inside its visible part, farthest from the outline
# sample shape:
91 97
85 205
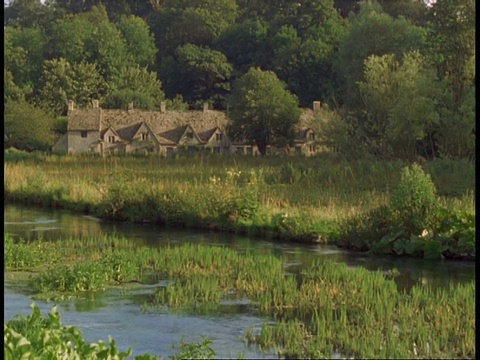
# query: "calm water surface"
120 314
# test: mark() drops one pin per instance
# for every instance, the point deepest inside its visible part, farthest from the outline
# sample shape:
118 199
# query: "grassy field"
290 198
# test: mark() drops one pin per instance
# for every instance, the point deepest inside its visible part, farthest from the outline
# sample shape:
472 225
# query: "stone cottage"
110 131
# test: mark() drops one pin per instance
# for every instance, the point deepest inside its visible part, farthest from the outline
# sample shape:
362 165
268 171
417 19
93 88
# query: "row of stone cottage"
164 132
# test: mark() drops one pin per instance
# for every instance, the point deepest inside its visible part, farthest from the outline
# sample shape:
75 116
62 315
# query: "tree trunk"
262 148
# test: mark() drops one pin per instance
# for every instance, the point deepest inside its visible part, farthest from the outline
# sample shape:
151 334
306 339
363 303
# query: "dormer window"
189 135
111 139
219 136
144 136
311 136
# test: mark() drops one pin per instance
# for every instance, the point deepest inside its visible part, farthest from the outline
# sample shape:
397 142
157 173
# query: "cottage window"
111 138
83 133
191 149
312 148
189 135
249 150
311 136
298 150
219 137
144 136
169 150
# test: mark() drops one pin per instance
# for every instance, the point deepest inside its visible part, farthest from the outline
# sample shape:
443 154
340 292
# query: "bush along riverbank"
413 224
326 310
314 200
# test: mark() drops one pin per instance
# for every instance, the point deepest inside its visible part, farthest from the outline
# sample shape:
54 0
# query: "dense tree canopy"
26 127
400 104
372 32
188 52
63 81
263 111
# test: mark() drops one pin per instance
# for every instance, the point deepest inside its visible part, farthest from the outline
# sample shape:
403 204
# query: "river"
119 314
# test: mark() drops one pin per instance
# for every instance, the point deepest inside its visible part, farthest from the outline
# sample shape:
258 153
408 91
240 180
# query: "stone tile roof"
206 135
168 125
161 122
102 133
173 136
84 119
128 132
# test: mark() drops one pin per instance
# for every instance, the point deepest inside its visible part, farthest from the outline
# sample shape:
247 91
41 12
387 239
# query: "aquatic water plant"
326 309
199 350
36 336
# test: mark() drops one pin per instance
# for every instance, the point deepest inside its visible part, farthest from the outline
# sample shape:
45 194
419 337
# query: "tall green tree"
199 74
301 15
372 32
306 64
115 8
26 127
414 10
10 90
29 13
63 81
140 80
451 43
108 49
69 38
246 45
140 42
121 99
23 55
400 104
197 22
455 134
263 111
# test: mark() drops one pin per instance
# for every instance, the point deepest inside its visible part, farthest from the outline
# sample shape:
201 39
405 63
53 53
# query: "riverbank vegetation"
325 309
360 204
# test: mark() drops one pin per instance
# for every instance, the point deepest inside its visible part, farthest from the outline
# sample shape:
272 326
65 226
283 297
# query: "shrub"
414 202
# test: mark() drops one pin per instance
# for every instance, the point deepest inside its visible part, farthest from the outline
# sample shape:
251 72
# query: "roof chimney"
130 106
163 107
316 105
71 105
95 104
205 107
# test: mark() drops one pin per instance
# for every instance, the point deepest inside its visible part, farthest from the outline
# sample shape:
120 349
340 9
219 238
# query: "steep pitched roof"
102 133
173 136
206 135
128 132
